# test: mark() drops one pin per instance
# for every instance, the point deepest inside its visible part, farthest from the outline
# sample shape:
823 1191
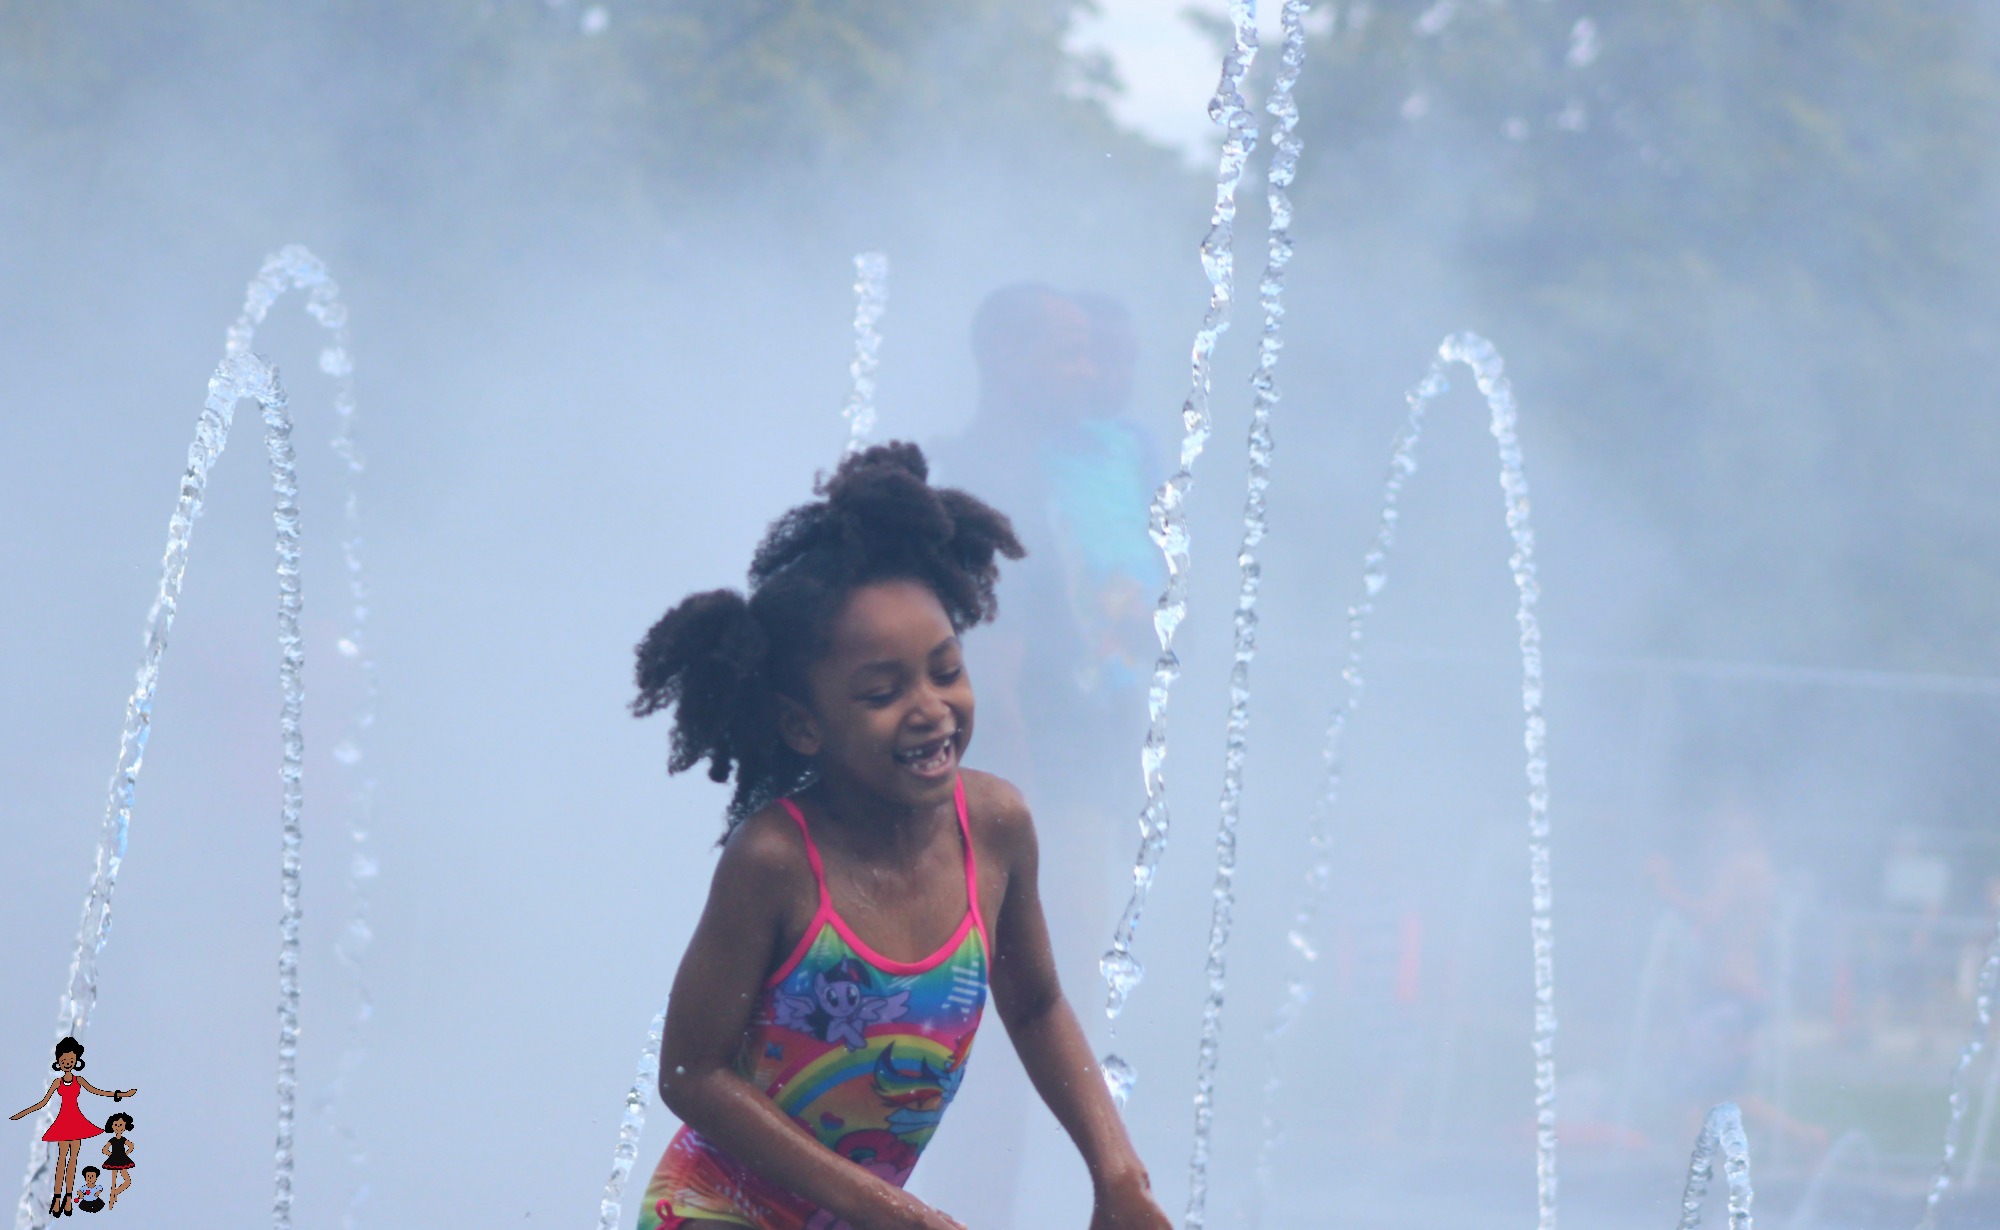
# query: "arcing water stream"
241 376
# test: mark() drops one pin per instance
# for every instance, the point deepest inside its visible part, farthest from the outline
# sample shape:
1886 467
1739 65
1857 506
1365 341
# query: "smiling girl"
870 890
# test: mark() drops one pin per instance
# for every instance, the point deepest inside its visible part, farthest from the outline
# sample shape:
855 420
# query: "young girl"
118 1154
71 1128
869 889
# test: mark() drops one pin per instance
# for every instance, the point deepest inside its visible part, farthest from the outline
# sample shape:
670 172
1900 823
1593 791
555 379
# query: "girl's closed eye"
879 691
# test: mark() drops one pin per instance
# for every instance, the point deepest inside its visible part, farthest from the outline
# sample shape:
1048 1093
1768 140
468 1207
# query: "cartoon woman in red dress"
71 1127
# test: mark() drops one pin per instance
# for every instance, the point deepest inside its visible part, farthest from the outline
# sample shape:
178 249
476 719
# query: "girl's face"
891 704
67 1062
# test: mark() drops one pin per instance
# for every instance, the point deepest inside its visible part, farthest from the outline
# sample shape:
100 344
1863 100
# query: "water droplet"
1122 971
1119 1079
1436 18
1584 47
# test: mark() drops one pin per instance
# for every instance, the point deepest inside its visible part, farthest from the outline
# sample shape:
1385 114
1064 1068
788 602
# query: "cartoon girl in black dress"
117 1154
71 1127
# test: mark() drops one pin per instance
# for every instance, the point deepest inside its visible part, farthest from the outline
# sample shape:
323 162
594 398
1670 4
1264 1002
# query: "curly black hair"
116 1115
722 659
70 1046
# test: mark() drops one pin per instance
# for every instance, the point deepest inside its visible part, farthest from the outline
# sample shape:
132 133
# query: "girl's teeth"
930 756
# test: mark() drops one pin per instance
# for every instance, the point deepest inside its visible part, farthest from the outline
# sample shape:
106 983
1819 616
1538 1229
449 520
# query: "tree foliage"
1745 252
655 106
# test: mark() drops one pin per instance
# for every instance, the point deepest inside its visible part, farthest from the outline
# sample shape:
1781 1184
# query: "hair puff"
721 659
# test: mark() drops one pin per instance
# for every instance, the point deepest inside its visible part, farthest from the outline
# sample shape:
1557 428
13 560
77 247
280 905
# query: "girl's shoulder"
763 883
997 813
766 845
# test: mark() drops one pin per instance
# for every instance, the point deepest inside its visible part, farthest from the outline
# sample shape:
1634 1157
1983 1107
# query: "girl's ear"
798 727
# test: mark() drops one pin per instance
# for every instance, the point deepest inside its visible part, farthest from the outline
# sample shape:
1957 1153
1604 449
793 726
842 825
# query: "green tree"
663 107
1744 252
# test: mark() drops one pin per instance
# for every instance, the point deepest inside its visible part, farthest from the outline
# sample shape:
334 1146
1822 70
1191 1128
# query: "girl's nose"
931 706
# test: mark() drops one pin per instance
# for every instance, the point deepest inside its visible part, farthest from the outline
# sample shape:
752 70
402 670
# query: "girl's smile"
936 758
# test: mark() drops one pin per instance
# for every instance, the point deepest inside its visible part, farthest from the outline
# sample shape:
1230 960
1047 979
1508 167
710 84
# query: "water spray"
1721 1132
1167 521
1271 296
871 299
240 376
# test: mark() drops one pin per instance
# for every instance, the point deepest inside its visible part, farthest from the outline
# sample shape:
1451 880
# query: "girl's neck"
872 829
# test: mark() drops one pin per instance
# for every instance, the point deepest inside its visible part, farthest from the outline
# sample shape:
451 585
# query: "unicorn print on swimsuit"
917 1089
841 1005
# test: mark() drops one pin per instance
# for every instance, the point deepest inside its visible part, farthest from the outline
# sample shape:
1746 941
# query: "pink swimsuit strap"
827 915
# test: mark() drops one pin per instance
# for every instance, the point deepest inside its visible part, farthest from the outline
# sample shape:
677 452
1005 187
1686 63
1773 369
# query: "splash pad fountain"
1321 879
1123 971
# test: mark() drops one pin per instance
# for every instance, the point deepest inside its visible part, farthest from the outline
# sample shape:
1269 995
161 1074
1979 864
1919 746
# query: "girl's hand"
1127 1204
916 1215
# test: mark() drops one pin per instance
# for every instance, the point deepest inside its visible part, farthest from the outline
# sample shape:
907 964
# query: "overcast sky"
1159 55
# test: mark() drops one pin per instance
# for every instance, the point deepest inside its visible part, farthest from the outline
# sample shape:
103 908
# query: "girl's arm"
763 869
1046 1033
46 1095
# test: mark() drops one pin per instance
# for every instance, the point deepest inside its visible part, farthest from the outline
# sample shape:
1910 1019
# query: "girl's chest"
909 914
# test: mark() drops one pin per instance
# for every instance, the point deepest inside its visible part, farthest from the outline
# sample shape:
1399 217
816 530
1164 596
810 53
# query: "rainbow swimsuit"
862 1052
